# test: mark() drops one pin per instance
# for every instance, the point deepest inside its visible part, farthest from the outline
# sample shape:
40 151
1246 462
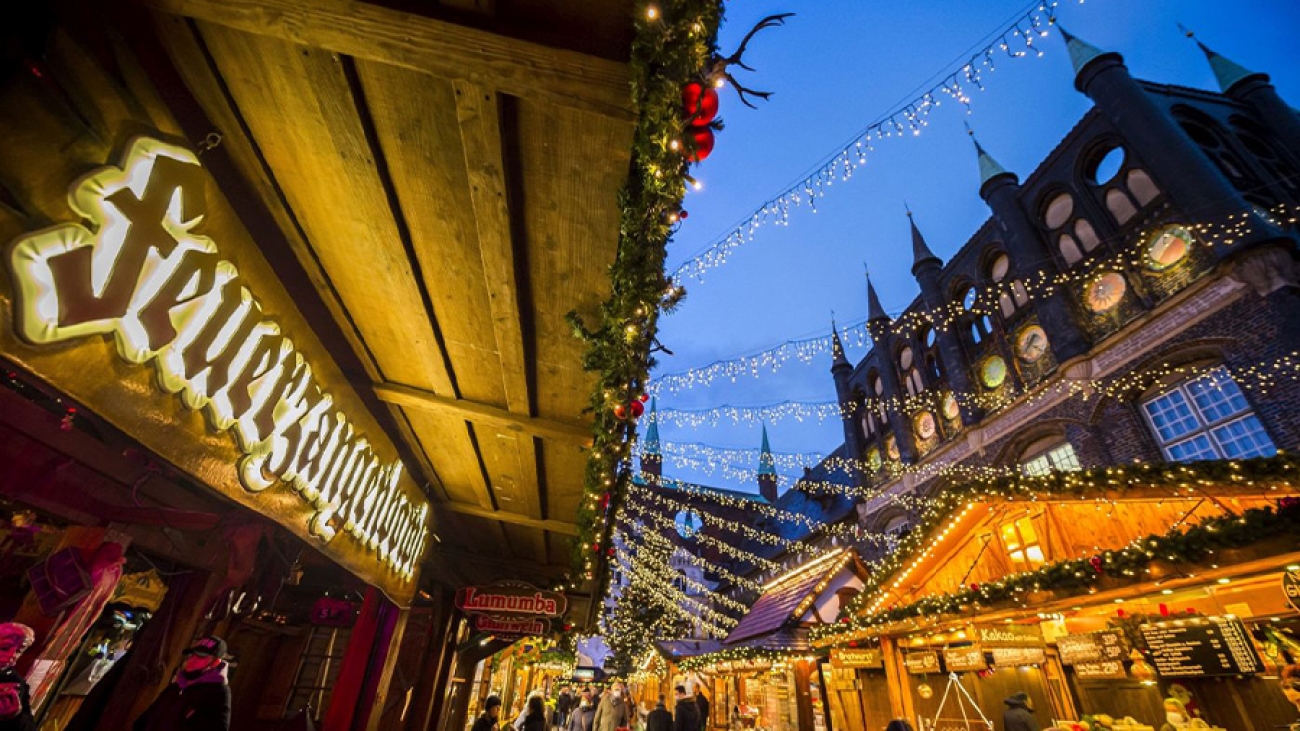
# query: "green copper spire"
1227 72
766 463
989 168
650 444
1081 52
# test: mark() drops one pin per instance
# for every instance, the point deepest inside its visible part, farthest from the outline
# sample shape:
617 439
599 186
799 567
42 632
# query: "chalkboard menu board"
1194 648
1094 647
1110 669
1006 657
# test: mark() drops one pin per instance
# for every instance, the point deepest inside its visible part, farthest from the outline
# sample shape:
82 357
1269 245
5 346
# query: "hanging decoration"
955 315
1018 39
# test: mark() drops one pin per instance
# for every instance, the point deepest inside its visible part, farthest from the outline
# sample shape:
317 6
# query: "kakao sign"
162 291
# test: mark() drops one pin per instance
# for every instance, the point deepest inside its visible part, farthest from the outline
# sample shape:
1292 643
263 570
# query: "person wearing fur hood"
198 698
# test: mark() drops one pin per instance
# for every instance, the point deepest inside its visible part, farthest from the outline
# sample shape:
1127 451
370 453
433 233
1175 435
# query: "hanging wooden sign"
920 663
964 659
511 598
857 657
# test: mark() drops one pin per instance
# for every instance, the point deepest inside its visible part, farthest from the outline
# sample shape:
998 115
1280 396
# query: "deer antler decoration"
718 70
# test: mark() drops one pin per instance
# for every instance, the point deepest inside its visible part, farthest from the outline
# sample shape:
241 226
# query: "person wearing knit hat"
15 699
487 720
198 698
1019 715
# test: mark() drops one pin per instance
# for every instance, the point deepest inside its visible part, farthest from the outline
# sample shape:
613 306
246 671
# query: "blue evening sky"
837 66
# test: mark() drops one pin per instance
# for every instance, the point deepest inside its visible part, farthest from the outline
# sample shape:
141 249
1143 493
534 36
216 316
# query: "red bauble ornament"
683 215
609 552
1095 562
620 411
853 643
700 103
702 143
974 587
637 408
643 397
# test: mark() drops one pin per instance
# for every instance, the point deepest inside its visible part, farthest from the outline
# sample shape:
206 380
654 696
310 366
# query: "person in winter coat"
580 719
686 715
659 719
1019 715
15 697
614 711
899 724
487 720
702 701
198 698
535 714
564 704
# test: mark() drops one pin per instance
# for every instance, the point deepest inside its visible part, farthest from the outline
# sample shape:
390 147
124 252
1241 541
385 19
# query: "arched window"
1074 235
1142 187
1206 417
1211 138
1069 249
1049 454
1120 206
1259 144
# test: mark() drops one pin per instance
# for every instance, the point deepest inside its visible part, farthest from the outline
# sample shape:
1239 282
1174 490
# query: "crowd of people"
594 709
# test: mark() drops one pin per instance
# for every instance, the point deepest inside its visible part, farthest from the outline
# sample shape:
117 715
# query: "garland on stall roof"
1189 479
674 41
749 655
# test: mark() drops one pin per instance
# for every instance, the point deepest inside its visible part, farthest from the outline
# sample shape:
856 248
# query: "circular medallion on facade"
891 447
923 423
1168 247
1105 292
1031 344
993 371
950 409
687 523
873 459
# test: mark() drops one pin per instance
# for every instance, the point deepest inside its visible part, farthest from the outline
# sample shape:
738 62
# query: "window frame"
1023 547
1204 426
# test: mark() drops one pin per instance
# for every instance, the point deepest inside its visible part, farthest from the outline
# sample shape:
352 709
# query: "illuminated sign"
854 657
512 627
510 598
142 274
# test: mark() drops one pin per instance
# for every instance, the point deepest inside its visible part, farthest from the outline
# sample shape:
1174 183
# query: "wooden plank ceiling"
448 181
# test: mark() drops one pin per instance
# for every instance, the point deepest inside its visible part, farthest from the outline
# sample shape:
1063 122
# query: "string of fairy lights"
916 324
1260 376
658 540
664 571
1017 39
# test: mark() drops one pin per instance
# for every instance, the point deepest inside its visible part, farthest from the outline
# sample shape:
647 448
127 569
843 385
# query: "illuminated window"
1060 458
1021 541
1207 417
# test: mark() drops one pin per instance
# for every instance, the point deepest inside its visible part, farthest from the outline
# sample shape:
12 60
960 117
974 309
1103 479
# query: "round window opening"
968 298
1107 166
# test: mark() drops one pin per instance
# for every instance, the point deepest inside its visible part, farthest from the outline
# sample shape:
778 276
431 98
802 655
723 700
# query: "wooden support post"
367 664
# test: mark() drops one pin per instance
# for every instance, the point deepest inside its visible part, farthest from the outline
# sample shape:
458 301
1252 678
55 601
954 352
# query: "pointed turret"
652 459
921 254
1227 72
989 168
767 480
1082 52
874 310
838 358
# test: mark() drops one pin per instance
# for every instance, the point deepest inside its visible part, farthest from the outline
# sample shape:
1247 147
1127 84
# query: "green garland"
746 654
1225 531
672 46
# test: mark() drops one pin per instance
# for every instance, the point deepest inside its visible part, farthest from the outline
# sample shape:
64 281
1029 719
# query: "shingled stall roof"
786 598
441 182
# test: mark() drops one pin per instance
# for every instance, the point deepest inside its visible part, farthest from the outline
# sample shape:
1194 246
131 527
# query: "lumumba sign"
144 276
502 599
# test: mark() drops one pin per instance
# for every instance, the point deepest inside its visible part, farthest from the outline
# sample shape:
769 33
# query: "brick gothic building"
1151 247
1127 301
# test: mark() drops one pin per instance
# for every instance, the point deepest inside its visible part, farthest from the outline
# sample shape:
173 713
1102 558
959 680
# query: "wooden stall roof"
445 173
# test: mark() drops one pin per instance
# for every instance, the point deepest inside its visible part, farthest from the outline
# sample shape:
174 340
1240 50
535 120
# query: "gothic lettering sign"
511 599
143 272
511 627
857 657
1010 635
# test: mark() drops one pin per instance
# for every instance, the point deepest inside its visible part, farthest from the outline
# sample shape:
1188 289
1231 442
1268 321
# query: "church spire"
767 479
650 444
989 168
920 250
874 310
839 359
1082 52
1227 72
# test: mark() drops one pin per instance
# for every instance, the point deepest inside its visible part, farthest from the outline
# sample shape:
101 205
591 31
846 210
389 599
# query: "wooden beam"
555 526
521 566
452 51
478 114
416 398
